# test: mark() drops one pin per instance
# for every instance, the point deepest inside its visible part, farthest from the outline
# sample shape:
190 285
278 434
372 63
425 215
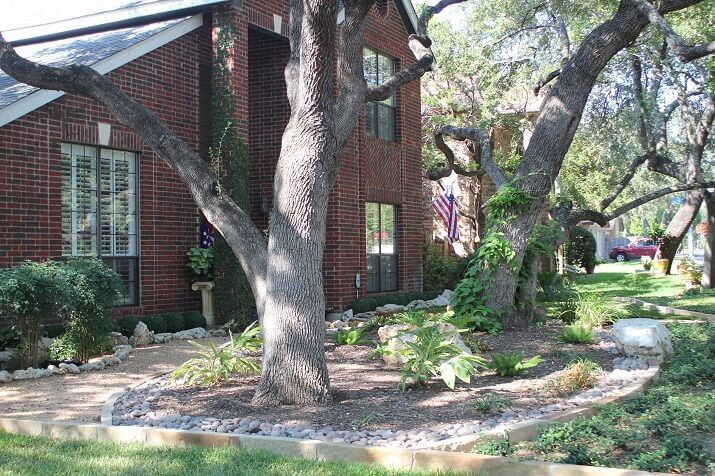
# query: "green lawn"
628 280
24 455
670 428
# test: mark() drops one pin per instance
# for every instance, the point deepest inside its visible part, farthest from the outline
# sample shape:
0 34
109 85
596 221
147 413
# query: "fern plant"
350 337
577 334
214 365
512 364
433 354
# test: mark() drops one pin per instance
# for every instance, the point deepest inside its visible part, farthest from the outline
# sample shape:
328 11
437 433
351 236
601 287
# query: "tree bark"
708 279
679 226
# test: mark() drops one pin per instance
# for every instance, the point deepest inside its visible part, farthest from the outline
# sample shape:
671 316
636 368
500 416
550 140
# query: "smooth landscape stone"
642 337
69 368
5 376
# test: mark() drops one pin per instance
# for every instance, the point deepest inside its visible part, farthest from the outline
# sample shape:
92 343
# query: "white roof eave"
41 97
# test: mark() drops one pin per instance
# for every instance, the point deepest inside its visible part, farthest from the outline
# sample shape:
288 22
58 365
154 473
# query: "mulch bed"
366 393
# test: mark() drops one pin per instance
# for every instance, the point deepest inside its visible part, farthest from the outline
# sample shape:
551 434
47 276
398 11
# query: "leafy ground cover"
24 455
670 428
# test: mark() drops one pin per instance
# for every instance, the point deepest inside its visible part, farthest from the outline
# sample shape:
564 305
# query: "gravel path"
80 397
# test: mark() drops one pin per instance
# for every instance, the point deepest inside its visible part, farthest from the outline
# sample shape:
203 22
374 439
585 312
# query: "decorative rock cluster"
133 408
120 354
348 319
195 333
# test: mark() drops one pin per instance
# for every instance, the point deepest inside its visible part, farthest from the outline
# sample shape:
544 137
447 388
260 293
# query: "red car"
635 249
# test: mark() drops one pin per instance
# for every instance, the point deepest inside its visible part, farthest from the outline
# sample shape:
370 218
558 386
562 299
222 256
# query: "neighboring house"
607 237
75 182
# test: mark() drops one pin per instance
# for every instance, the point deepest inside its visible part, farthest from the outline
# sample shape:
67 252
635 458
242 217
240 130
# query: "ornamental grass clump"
214 365
579 374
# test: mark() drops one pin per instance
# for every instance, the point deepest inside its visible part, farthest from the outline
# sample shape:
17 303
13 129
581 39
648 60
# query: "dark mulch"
366 394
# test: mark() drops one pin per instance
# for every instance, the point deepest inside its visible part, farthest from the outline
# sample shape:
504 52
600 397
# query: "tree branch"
451 164
645 134
637 162
549 77
220 210
420 46
684 52
664 165
657 194
486 146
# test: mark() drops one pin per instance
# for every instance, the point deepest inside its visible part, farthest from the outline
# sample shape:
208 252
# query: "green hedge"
175 322
581 249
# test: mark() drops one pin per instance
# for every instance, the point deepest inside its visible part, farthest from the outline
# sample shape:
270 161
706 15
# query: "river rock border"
121 352
629 374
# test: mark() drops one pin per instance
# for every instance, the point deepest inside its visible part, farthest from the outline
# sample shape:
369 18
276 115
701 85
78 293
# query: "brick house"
73 181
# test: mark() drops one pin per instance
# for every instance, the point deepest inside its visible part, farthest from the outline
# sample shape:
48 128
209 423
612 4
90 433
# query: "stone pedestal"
207 300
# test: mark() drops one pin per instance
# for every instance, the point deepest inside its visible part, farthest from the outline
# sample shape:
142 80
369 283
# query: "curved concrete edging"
666 309
107 411
399 458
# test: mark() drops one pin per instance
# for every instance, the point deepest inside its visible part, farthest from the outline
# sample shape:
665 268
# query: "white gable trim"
41 97
410 9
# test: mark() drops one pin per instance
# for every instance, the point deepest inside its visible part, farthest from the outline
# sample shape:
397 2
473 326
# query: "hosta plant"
214 364
433 354
512 364
350 337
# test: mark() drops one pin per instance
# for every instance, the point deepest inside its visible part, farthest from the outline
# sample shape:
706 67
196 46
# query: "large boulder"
5 376
395 336
142 335
642 337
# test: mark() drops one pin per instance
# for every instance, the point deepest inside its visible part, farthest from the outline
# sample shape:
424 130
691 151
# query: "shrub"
94 287
127 324
512 364
577 334
579 374
647 262
194 319
433 354
156 323
350 337
31 294
9 337
366 304
581 249
214 365
175 322
441 272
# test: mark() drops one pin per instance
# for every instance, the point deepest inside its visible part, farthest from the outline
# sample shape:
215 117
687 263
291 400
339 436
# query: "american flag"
206 237
447 211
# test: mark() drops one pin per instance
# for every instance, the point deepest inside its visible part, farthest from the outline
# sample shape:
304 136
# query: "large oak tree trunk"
679 226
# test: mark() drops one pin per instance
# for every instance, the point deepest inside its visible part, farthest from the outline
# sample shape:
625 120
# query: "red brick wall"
167 81
269 112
